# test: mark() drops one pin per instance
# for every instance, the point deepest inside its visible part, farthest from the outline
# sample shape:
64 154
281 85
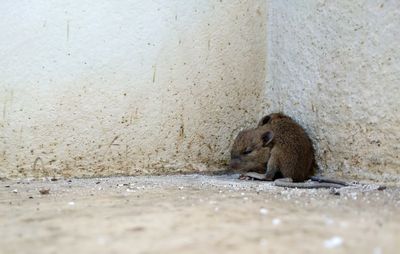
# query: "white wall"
130 87
109 87
335 67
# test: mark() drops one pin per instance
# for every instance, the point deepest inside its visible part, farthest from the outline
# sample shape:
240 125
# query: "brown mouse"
278 148
292 153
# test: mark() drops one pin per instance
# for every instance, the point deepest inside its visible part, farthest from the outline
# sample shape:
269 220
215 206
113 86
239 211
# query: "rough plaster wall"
126 87
335 67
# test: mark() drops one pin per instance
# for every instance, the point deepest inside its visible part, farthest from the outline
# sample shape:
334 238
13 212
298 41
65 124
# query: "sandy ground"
194 214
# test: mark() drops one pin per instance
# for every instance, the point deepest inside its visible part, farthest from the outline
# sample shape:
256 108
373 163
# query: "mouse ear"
267 138
264 120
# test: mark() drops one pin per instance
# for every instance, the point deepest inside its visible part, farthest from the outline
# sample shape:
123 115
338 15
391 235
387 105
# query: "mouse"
278 150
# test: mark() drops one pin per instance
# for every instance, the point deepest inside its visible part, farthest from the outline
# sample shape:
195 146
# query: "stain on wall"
100 88
334 66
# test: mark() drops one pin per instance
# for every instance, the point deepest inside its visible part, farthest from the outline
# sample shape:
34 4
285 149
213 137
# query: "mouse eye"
247 151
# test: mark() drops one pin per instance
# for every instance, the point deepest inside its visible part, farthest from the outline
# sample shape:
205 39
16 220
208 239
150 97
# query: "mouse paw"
245 177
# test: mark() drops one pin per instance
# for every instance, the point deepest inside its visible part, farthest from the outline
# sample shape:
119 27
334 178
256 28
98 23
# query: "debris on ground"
276 222
196 214
334 242
263 211
44 191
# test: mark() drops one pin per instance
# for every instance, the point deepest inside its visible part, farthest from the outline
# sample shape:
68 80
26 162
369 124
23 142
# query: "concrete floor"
194 214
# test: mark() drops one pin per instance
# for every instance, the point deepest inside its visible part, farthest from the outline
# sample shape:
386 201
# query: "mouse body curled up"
277 148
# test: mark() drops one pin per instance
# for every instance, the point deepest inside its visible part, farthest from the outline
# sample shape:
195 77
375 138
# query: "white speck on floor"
333 242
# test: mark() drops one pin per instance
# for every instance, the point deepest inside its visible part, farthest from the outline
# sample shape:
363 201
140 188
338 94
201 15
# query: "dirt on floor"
194 214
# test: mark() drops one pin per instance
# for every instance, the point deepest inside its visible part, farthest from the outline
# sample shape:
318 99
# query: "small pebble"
263 211
71 203
334 242
44 191
15 191
276 222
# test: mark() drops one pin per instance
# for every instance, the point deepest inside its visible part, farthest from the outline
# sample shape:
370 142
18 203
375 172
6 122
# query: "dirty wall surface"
334 66
127 87
136 87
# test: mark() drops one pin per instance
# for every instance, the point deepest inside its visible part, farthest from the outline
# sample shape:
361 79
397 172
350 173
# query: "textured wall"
131 87
335 67
98 87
